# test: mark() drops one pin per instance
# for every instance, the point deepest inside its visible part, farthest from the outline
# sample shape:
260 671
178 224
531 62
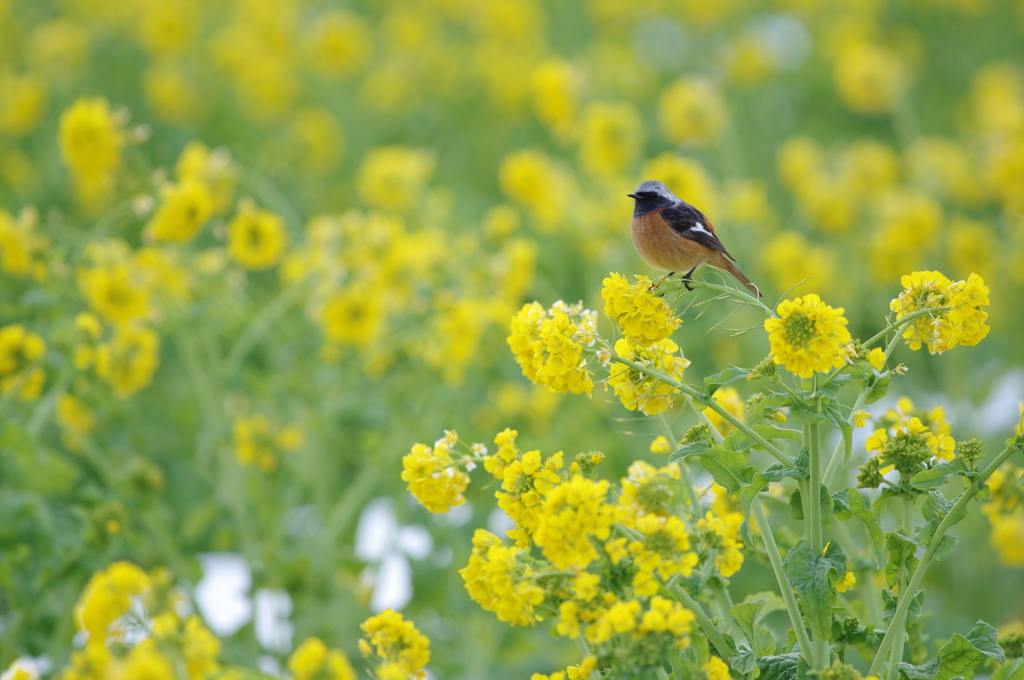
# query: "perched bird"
671 234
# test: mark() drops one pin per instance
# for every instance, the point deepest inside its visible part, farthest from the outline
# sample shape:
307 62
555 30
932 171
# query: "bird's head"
650 196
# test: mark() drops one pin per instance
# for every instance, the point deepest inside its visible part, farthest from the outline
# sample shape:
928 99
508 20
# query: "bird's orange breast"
661 247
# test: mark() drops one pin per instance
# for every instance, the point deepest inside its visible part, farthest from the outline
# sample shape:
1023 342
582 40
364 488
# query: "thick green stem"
721 596
706 626
780 575
714 405
907 525
813 526
739 295
898 624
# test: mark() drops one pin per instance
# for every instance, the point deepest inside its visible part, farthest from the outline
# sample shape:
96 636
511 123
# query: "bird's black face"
648 201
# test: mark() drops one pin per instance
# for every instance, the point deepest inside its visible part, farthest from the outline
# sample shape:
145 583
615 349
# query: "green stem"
896 627
706 625
906 524
780 575
259 325
813 526
739 295
725 604
714 405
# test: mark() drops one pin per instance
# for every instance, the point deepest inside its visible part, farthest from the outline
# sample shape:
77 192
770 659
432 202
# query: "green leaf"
781 667
748 493
800 469
769 432
796 508
745 663
985 639
837 419
692 449
812 577
935 477
804 415
960 656
747 615
877 387
729 468
901 557
850 500
914 611
729 375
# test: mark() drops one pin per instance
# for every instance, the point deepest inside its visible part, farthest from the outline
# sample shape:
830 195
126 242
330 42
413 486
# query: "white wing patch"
697 226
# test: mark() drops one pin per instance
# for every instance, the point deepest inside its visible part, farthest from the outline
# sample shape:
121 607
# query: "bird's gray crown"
653 188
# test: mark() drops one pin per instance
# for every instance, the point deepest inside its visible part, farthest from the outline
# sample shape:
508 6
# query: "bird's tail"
727 266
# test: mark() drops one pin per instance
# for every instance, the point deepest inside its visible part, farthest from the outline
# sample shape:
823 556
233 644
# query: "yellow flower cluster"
154 641
808 336
22 249
312 659
962 324
402 651
1005 512
649 490
661 552
637 390
909 435
574 513
643 317
549 347
500 582
258 442
20 353
256 237
432 474
91 141
525 484
722 534
107 597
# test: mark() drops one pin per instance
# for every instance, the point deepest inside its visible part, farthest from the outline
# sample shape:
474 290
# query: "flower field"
325 351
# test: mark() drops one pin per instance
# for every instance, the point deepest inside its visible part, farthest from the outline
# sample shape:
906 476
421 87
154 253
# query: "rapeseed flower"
256 238
642 316
396 643
107 597
20 351
637 390
963 323
313 659
809 336
183 211
258 442
500 582
128 360
574 513
433 476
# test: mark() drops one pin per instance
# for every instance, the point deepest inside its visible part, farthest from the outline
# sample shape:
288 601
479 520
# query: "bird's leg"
686 278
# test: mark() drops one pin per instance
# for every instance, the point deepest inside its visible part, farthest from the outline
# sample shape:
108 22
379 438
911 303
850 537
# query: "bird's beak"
632 195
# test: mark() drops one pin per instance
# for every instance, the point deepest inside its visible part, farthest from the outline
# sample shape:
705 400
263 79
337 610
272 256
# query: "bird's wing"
691 223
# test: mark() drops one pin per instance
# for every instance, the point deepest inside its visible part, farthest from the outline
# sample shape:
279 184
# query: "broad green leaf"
837 419
745 663
901 557
803 415
729 375
914 611
796 507
691 449
927 531
850 501
748 493
985 639
800 469
729 468
812 577
877 387
747 615
937 476
960 656
781 667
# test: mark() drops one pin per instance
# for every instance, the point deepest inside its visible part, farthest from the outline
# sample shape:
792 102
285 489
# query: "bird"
672 235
